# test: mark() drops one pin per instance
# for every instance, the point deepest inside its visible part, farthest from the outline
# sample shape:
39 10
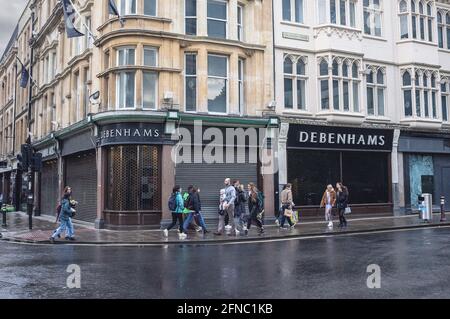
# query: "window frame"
227 83
373 12
293 12
190 76
119 74
186 18
156 8
375 86
226 21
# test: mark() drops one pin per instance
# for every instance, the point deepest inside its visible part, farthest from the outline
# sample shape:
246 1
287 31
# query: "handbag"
288 212
348 210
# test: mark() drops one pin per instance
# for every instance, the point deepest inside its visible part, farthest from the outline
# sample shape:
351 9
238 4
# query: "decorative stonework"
339 31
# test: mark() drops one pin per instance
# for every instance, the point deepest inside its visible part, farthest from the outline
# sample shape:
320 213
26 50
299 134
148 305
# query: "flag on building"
25 76
114 11
69 18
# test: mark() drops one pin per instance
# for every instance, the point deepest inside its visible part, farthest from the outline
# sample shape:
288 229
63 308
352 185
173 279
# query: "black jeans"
175 217
254 217
342 220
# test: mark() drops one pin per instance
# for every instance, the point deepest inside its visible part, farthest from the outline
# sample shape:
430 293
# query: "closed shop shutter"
81 175
49 188
210 177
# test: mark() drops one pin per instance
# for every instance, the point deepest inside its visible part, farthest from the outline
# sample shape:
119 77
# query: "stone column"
167 182
395 173
282 155
202 24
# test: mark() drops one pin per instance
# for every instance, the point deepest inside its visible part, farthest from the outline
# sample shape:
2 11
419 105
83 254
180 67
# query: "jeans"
283 217
66 225
230 212
191 216
175 217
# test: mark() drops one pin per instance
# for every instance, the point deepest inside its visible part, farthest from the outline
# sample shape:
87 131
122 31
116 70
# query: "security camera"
272 105
95 98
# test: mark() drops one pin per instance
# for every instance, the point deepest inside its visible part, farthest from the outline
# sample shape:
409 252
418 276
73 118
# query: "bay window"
150 79
375 81
344 82
125 85
241 88
416 21
407 93
445 99
217 83
295 83
127 7
217 15
423 91
443 19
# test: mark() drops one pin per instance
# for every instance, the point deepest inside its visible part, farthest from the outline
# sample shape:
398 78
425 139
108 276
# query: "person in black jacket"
194 206
239 208
341 203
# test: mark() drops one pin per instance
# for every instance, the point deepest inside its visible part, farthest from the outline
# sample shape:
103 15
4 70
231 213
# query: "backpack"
173 202
188 201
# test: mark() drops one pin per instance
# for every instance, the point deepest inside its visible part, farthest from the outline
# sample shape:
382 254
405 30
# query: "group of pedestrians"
237 209
335 198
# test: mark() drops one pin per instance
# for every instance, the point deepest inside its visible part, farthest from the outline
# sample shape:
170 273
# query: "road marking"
256 241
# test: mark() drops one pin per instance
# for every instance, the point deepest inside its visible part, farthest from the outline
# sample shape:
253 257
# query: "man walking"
228 206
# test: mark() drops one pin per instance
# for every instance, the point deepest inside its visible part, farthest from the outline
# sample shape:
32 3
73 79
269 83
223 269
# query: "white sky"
10 11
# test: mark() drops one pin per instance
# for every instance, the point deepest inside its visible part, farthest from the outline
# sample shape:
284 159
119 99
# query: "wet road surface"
413 263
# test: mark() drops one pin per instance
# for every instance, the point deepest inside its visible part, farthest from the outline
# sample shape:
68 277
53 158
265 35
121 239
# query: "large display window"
134 178
366 174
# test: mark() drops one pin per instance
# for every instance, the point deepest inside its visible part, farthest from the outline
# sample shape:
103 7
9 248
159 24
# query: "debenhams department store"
320 155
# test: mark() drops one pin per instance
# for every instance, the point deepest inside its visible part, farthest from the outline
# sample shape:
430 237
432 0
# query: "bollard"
443 218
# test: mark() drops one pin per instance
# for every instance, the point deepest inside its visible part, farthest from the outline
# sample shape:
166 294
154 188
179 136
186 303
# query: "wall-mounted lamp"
171 121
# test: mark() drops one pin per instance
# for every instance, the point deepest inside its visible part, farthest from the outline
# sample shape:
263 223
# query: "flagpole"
23 66
82 21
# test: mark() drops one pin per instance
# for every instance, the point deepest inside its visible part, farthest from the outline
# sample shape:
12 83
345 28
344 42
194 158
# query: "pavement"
43 227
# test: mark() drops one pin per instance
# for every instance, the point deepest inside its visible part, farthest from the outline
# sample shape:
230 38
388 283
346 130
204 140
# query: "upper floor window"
217 83
126 56
445 99
342 12
293 10
416 21
372 17
340 89
190 81
443 19
294 83
241 86
127 7
240 23
217 14
150 7
190 16
376 86
423 91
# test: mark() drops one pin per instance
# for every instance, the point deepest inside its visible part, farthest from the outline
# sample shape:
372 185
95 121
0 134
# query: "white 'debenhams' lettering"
342 138
139 132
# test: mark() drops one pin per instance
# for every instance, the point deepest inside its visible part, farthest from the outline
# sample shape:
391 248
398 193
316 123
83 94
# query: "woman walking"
176 205
342 203
328 201
239 210
287 205
255 207
65 216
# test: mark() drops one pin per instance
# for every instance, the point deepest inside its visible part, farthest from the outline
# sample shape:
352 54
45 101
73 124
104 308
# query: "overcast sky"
9 16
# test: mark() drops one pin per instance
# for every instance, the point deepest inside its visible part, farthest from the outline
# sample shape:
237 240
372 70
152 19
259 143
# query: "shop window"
365 174
134 182
421 172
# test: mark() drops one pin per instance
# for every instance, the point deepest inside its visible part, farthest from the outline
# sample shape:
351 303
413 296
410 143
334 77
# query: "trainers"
292 227
261 231
277 222
166 232
237 232
199 229
246 232
182 236
228 227
218 233
52 240
330 225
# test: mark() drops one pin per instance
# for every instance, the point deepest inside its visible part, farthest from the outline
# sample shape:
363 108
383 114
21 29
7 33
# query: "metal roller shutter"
49 187
81 175
209 178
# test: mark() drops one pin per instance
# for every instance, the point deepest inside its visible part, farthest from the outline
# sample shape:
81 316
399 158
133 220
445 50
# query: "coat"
241 199
332 198
342 199
66 210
